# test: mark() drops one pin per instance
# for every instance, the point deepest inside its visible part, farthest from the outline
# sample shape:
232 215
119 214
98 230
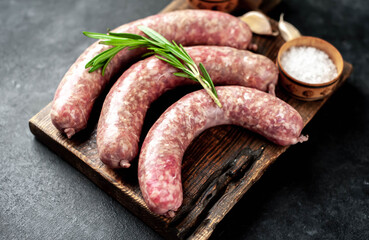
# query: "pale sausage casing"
78 90
159 169
125 106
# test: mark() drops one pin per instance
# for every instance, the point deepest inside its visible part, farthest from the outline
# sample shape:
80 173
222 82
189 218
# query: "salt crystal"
308 64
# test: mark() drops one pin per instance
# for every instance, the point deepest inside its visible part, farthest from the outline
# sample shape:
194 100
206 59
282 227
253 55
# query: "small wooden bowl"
308 91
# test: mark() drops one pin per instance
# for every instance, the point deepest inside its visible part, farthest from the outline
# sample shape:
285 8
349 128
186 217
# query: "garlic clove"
287 30
258 23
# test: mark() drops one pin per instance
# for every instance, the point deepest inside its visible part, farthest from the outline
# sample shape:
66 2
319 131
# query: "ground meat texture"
76 94
125 106
159 168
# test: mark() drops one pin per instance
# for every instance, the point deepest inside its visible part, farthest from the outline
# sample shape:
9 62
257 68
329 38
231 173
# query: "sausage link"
76 94
159 168
125 106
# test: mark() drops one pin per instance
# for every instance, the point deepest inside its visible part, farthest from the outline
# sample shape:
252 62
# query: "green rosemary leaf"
91 62
153 34
168 61
186 53
181 53
100 36
109 53
105 65
126 35
95 67
207 78
126 42
147 54
174 61
181 74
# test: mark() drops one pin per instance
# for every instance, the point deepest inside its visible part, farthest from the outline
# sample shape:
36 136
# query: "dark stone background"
316 190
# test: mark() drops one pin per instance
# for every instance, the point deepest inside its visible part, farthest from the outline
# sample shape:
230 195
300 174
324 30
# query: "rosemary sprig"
169 52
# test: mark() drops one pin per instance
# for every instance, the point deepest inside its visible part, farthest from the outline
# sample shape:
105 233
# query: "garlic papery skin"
287 30
258 23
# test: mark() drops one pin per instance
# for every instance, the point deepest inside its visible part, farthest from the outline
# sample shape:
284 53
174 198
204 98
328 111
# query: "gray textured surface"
317 190
41 196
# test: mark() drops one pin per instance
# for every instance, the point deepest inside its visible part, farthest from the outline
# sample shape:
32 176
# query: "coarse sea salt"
308 64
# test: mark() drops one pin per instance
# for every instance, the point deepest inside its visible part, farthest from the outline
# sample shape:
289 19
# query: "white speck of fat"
246 96
280 114
189 135
73 113
239 101
154 193
151 64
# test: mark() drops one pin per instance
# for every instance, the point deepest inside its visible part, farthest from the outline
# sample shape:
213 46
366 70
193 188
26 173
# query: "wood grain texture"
218 168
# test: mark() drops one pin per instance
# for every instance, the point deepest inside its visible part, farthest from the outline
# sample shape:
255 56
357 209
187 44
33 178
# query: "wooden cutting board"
218 168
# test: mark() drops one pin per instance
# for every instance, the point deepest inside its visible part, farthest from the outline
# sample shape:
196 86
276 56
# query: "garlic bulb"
258 23
288 31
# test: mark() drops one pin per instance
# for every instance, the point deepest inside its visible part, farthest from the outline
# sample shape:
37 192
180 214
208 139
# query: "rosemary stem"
208 90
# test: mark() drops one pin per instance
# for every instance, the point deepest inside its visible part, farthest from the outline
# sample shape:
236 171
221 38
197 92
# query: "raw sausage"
76 94
159 168
125 106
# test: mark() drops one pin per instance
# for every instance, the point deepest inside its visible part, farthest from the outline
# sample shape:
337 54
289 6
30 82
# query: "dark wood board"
218 167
